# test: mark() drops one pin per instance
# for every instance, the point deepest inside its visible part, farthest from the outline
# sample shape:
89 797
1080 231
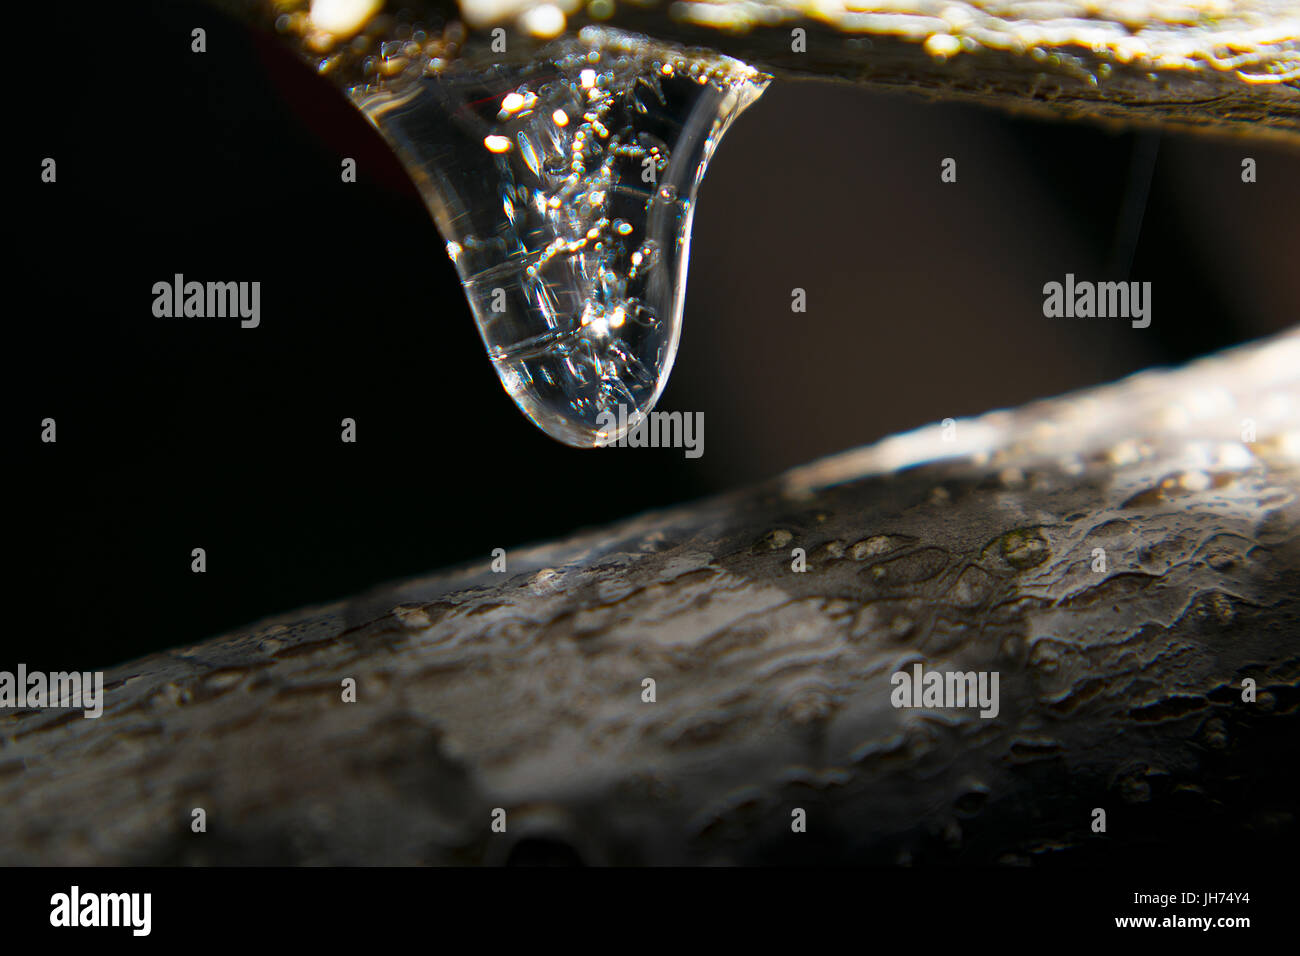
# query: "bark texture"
968 548
1230 65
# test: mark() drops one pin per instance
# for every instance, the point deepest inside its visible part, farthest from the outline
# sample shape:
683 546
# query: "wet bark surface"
1226 66
972 547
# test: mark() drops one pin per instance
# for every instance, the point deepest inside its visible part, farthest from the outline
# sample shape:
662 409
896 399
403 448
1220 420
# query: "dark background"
924 303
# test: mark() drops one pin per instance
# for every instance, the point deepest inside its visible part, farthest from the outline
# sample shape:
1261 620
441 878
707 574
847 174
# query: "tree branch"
1215 64
1120 687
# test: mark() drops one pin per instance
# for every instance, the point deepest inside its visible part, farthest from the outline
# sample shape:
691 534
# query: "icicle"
564 188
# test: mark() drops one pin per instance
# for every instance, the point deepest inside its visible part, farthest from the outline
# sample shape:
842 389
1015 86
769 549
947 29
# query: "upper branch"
1204 63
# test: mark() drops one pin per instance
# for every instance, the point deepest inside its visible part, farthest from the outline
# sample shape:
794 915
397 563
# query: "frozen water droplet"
564 189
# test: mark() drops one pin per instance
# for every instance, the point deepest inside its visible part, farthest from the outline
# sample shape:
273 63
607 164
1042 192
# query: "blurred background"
924 302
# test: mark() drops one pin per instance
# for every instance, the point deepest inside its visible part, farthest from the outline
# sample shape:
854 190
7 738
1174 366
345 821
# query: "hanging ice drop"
564 189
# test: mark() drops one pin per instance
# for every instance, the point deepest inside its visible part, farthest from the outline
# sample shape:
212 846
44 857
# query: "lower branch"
1123 558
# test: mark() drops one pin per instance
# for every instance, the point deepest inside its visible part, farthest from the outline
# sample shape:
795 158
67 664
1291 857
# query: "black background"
924 302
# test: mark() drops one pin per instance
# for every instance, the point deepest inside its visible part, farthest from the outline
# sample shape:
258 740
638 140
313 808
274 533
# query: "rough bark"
1218 64
1120 688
